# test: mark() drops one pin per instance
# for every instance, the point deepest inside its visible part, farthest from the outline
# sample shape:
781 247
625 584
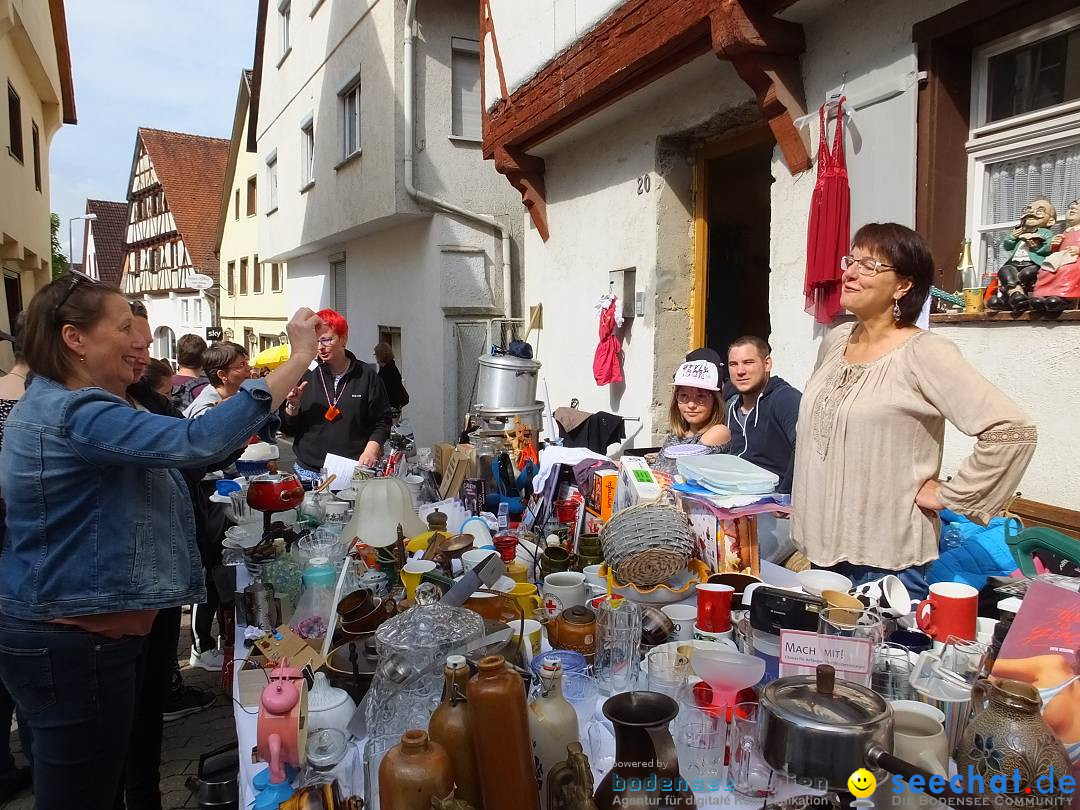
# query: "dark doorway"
13 292
738 217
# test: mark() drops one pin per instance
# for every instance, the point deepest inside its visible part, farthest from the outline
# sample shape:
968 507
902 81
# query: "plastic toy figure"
1058 285
1028 246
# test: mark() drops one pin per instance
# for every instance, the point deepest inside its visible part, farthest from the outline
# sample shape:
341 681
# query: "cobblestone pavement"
185 739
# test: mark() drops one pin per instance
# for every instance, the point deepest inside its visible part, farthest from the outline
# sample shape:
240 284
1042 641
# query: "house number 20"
644 184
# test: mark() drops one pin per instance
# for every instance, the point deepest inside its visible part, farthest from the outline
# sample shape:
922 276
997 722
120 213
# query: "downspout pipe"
409 70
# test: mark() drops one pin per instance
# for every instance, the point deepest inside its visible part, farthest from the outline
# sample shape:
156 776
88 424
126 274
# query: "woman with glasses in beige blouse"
866 493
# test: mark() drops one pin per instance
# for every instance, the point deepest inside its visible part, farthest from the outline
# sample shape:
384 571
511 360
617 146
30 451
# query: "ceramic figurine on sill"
1028 246
1058 285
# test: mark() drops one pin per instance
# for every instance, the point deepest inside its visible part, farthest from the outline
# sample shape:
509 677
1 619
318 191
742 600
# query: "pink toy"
282 729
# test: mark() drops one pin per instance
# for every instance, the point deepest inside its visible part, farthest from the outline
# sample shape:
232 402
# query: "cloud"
154 63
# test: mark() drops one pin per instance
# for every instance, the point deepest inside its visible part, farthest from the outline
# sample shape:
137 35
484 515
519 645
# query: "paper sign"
341 467
801 652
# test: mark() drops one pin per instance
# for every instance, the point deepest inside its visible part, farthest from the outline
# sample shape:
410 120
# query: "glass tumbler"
891 672
749 774
667 672
618 645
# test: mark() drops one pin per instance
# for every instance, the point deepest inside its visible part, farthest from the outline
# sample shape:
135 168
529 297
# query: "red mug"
951 609
714 607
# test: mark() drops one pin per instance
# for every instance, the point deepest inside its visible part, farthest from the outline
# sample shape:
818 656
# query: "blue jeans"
77 691
914 578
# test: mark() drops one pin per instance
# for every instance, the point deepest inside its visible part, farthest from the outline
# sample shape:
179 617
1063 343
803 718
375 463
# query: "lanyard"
332 412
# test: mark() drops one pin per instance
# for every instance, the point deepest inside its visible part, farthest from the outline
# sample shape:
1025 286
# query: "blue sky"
166 64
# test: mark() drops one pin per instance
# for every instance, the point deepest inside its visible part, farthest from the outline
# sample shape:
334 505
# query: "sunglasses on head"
77 278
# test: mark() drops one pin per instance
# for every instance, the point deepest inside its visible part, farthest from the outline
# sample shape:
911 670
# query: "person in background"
189 380
226 367
339 407
13 779
763 415
159 376
390 376
696 412
866 493
101 534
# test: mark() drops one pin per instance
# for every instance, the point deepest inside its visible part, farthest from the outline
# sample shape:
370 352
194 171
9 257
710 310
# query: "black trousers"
7 761
202 617
142 771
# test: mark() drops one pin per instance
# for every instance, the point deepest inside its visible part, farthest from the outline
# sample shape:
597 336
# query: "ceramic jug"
643 750
498 713
1007 732
575 629
413 773
451 728
553 724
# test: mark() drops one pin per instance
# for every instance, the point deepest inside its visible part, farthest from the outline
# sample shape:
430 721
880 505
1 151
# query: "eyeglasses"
327 340
77 278
697 395
867 266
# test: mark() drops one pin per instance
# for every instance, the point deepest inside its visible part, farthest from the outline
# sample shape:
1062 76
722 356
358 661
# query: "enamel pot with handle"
818 728
275 492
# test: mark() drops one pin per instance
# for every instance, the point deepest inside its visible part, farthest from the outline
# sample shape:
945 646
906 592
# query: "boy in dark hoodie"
763 414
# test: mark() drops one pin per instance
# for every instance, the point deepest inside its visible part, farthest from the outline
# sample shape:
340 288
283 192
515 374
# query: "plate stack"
648 544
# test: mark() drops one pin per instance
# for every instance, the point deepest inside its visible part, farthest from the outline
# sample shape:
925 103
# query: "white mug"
683 617
889 594
564 589
533 634
474 556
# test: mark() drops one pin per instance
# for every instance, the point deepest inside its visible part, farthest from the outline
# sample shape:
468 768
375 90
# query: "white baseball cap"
698 374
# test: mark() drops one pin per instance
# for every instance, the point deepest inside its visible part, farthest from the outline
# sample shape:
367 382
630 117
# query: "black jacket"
395 388
365 414
766 435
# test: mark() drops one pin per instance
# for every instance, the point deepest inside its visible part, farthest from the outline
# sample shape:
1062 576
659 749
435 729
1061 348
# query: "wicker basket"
648 544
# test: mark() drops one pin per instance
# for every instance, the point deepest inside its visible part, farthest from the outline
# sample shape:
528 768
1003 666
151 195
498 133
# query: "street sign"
199 281
215 333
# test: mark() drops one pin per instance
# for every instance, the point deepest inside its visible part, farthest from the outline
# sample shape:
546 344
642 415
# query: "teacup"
533 633
525 594
563 589
682 618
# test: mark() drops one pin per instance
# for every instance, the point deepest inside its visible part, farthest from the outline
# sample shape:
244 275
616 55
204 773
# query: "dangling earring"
82 358
896 311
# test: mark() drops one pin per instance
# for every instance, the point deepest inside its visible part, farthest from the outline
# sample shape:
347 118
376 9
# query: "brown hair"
70 299
156 371
219 357
681 427
383 352
909 256
189 351
762 346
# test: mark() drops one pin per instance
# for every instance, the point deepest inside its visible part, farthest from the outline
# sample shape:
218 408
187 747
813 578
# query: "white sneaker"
211 660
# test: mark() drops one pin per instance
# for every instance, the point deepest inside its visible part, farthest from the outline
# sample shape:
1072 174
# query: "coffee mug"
524 593
706 635
474 556
533 634
656 626
412 572
682 618
714 607
950 610
889 595
564 589
920 740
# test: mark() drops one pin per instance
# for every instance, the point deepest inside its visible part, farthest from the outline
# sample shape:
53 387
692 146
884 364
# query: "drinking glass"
968 659
701 748
667 672
618 645
750 775
891 672
851 623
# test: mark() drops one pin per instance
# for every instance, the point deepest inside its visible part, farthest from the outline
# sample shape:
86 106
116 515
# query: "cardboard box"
441 454
723 544
266 653
636 483
458 468
600 502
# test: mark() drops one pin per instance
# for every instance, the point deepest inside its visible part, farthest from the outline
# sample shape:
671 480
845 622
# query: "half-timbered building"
173 197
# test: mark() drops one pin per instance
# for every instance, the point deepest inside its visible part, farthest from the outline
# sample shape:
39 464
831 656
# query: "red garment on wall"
606 366
828 237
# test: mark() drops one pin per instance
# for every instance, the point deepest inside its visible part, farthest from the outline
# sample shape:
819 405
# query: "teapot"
282 726
275 492
574 629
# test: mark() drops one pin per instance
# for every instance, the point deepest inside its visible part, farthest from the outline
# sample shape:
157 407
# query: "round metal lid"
579 614
819 699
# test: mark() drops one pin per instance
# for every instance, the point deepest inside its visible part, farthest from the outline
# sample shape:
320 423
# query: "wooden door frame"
726 144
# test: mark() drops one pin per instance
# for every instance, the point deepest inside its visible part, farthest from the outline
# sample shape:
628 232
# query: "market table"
246 717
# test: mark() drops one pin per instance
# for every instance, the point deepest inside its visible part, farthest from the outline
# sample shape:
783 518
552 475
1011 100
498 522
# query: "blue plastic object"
570 660
226 487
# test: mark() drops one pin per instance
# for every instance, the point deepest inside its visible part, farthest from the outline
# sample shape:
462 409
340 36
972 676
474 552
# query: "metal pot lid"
823 701
508 361
326 747
273 478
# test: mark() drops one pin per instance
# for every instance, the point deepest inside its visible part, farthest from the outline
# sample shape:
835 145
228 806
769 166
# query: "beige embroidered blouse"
869 435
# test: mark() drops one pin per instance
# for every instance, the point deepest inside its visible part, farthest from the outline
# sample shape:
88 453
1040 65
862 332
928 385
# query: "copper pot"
275 492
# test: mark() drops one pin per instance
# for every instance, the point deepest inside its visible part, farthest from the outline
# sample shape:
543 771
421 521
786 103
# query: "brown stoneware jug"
451 728
413 773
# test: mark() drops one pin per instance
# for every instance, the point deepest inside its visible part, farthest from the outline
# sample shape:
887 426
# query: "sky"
166 64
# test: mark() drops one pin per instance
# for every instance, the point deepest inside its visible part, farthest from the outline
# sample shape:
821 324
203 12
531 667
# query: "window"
257 277
243 275
350 119
275 277
236 205
1024 137
185 312
252 197
337 275
307 153
14 106
465 102
165 343
230 278
196 311
284 20
35 136
271 183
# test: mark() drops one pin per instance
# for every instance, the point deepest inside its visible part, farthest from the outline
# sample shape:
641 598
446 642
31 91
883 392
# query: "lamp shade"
380 507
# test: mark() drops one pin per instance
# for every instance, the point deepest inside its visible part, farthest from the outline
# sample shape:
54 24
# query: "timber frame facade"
157 260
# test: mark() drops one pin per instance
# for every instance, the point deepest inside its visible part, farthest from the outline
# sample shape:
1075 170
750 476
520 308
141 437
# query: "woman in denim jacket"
100 528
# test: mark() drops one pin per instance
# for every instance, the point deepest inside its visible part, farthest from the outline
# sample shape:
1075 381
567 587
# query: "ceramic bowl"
355 605
676 589
381 610
815 580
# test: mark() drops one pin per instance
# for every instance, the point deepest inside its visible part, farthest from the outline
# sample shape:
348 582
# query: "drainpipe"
409 71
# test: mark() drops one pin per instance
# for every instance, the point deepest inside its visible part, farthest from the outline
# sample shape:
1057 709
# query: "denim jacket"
98 516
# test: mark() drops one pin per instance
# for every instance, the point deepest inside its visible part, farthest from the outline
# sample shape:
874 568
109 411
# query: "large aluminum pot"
506 382
496 421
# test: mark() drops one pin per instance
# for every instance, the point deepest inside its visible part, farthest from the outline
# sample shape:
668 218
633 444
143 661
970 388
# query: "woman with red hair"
339 407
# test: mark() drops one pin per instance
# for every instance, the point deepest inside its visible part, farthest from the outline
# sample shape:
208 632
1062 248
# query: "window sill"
961 318
355 155
284 56
465 139
310 184
315 7
271 211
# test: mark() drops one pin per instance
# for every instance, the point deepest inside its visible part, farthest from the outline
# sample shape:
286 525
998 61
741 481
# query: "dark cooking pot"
275 492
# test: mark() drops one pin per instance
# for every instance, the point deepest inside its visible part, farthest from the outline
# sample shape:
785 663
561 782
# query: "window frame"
276 277
307 153
353 87
16 147
35 141
271 183
256 276
252 190
243 276
236 205
284 26
230 278
464 45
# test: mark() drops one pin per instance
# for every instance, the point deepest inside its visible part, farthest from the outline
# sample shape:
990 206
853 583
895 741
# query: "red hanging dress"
607 368
828 237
